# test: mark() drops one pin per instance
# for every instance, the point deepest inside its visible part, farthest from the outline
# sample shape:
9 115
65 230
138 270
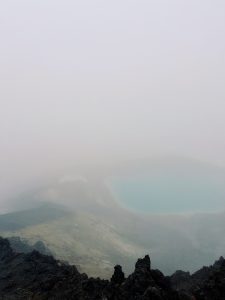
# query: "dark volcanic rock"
23 246
5 250
118 275
41 277
208 283
143 264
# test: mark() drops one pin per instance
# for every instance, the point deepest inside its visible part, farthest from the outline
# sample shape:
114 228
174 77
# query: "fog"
95 82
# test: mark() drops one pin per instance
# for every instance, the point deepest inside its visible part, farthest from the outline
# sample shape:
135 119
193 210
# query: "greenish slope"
81 238
31 217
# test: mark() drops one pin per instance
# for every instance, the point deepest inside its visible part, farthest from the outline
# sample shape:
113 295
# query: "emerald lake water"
171 192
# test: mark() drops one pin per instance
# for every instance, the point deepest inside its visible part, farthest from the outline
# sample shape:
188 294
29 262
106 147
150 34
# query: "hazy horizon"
88 82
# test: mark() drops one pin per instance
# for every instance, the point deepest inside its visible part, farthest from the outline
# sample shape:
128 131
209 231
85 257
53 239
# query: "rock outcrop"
118 275
208 283
23 245
41 277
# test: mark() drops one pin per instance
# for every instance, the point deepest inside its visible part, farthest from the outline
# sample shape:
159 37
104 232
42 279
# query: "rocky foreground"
37 276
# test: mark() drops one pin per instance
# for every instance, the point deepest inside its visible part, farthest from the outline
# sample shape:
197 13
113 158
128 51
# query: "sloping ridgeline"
22 219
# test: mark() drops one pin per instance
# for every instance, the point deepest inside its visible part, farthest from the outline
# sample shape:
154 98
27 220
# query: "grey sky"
100 80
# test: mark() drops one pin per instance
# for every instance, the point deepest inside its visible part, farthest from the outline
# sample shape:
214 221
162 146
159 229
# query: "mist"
112 133
112 148
93 82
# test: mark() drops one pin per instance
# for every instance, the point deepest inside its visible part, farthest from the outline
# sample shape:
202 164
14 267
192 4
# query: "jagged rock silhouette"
37 276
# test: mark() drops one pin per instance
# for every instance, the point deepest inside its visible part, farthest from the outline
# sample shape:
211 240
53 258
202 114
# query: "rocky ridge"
37 276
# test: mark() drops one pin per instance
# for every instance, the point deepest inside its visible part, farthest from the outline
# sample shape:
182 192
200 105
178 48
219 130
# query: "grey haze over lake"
103 81
172 187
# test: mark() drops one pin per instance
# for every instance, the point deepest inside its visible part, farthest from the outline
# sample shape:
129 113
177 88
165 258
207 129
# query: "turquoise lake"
170 193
